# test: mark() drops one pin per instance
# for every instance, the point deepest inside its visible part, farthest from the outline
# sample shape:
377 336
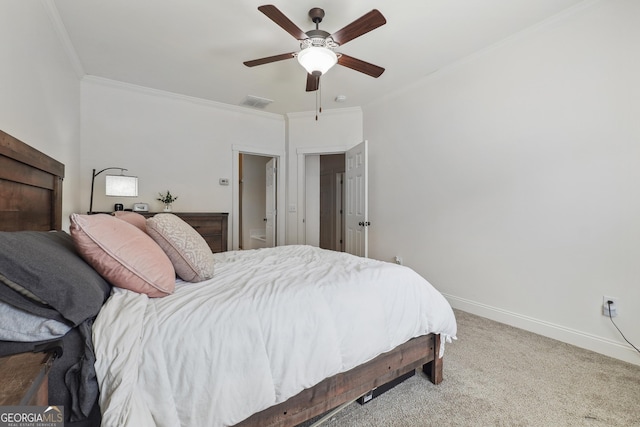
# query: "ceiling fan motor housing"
318 38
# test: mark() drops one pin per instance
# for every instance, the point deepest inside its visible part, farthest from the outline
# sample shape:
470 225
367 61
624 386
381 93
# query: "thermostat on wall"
140 207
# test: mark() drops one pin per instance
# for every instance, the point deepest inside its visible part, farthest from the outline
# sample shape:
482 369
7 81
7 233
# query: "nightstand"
212 226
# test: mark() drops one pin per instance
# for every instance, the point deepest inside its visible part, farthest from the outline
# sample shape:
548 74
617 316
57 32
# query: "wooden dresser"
211 225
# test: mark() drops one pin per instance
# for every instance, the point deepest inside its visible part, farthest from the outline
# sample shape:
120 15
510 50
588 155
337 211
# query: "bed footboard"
348 386
433 369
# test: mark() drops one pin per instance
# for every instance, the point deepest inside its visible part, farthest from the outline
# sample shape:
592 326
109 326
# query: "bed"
31 202
156 358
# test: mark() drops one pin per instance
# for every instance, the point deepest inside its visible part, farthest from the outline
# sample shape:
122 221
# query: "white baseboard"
561 333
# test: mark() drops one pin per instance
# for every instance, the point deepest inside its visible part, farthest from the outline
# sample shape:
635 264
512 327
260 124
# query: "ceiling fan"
317 47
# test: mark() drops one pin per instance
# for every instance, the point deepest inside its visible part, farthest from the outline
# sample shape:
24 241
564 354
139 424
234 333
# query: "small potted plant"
167 199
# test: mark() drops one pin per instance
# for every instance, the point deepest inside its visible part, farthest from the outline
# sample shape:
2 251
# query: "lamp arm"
93 178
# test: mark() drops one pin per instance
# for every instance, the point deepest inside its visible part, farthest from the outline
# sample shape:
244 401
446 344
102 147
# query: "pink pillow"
122 254
189 253
132 218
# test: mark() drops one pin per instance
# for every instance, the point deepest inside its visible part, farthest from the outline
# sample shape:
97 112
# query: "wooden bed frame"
350 385
30 187
31 199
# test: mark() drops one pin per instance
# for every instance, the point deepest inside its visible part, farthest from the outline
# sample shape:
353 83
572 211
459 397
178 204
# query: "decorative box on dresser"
211 225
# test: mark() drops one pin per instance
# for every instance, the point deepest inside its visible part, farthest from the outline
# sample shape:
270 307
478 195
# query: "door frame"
302 181
340 201
271 193
234 220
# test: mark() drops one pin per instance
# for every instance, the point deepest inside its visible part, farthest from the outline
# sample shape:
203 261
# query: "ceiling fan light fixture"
316 59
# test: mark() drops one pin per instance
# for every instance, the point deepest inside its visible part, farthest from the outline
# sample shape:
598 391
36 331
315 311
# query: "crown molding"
63 37
179 97
513 39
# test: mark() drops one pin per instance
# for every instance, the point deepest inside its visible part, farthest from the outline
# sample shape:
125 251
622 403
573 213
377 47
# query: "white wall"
335 131
169 142
40 90
510 180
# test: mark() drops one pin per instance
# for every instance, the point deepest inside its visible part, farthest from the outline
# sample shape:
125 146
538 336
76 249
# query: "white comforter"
269 324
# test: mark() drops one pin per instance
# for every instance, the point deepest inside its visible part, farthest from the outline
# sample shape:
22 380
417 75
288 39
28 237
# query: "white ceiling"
197 47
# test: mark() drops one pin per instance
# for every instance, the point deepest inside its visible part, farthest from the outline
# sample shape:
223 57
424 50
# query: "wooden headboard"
30 187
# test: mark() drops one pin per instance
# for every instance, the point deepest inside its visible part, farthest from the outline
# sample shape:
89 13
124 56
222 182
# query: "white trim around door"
234 220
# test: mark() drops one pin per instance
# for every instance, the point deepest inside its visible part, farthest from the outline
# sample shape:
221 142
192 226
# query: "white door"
356 193
270 203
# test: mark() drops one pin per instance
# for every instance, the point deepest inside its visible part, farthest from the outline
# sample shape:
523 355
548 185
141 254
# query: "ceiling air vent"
256 102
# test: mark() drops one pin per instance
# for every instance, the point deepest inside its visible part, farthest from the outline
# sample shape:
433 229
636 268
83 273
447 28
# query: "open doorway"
332 169
354 212
279 173
256 204
324 201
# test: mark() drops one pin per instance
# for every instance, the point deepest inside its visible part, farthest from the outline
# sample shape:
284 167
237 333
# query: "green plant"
167 198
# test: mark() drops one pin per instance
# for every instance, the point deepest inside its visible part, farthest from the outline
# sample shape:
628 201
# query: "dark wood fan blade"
313 82
269 59
360 65
360 26
285 23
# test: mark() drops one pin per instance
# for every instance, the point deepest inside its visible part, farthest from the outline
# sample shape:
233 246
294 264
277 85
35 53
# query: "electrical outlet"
606 307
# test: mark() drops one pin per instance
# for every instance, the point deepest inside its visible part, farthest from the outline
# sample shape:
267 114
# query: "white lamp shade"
319 59
120 185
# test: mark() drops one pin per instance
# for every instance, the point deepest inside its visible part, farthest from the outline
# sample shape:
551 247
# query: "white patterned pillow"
188 251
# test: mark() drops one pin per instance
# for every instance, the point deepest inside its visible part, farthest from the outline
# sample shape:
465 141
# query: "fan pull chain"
318 99
320 94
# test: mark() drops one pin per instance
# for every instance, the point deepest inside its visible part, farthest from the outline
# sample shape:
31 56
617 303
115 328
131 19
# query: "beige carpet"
497 375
